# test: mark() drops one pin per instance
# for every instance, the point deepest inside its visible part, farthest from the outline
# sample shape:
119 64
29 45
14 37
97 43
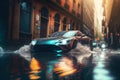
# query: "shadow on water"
13 67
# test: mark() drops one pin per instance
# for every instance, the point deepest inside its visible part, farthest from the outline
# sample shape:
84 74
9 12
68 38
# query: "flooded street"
60 40
19 65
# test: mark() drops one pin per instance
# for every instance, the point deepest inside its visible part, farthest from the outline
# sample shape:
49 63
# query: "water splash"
24 51
82 53
1 51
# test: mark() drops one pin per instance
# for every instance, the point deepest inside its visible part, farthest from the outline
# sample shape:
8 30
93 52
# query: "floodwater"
15 67
19 65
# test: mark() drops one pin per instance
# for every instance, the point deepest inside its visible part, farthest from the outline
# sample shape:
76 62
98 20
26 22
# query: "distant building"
88 17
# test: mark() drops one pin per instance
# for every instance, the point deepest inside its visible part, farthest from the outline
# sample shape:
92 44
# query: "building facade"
114 21
55 15
28 19
107 15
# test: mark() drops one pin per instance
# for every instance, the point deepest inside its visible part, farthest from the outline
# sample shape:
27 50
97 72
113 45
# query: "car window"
70 34
57 34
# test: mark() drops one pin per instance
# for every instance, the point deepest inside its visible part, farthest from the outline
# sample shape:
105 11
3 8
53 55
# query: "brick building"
29 19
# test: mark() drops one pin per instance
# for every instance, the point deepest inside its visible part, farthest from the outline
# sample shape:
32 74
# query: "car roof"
55 34
70 33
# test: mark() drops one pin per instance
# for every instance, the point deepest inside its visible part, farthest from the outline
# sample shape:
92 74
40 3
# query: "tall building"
108 4
88 17
114 20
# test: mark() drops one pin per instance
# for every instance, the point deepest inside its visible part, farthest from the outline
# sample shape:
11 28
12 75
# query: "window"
79 9
58 1
74 4
66 4
64 23
66 1
25 6
73 10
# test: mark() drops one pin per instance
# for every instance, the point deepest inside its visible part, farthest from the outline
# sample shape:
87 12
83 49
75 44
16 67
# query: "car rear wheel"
74 44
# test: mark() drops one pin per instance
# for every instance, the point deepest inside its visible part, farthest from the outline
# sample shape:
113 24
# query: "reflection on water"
100 71
61 67
17 65
35 69
114 65
64 67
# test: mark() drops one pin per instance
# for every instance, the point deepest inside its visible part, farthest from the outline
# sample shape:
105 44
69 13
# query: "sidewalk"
15 45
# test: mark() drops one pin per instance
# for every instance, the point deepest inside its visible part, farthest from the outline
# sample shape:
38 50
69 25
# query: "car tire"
74 44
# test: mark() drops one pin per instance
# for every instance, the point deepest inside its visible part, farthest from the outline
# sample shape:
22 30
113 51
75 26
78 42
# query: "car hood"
53 44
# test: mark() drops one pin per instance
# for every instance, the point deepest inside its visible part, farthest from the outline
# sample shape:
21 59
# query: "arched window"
74 4
79 8
66 4
72 25
64 23
56 22
74 8
25 21
44 22
25 16
44 12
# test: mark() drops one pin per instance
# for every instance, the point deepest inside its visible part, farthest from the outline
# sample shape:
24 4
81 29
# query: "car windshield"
70 34
64 34
57 34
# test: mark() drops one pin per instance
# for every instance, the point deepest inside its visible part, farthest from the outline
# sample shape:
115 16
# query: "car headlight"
103 46
94 43
62 42
34 42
